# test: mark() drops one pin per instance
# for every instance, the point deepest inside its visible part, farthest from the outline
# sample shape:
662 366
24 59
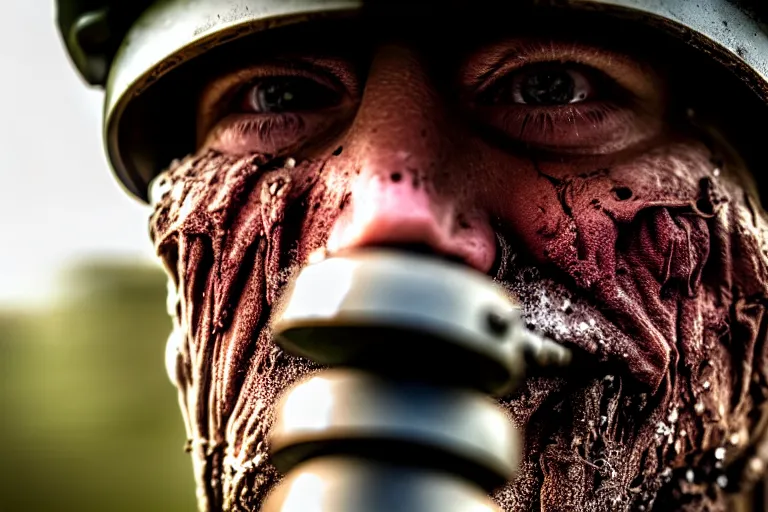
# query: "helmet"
135 49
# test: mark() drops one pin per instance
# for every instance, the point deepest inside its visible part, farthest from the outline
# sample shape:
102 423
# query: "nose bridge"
406 192
400 126
399 137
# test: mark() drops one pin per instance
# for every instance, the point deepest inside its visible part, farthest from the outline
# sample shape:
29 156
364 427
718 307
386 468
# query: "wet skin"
564 169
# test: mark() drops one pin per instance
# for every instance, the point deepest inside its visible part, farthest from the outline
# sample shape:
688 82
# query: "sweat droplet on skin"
672 418
720 453
665 430
756 466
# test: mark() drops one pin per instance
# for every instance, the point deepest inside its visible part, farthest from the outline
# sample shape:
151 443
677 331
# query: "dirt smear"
659 270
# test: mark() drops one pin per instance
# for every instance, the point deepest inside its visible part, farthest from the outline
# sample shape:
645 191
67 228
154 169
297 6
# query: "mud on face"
227 230
661 274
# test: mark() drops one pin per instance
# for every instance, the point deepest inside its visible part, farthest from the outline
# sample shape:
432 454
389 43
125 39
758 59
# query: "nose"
394 210
406 192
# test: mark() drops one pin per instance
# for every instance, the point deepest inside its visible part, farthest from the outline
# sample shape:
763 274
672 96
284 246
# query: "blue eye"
288 94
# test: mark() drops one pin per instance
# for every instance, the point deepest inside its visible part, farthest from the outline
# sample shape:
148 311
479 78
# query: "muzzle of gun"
403 419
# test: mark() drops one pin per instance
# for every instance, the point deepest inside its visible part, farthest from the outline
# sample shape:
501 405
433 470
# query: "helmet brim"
172 33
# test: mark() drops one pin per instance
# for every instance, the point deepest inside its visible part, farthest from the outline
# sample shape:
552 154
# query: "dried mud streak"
657 285
688 300
219 228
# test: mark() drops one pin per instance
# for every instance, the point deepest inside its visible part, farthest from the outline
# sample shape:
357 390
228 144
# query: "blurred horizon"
90 419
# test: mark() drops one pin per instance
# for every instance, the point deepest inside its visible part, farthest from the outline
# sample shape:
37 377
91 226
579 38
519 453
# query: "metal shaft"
404 419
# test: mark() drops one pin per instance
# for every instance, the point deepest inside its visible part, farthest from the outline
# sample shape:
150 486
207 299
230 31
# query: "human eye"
272 110
570 105
548 85
287 94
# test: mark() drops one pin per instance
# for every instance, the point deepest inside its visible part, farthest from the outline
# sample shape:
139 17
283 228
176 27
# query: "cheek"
548 206
527 201
324 198
532 211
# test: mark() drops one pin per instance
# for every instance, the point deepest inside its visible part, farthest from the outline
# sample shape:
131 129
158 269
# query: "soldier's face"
562 166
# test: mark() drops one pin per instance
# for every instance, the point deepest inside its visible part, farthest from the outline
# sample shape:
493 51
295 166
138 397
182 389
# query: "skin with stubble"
559 168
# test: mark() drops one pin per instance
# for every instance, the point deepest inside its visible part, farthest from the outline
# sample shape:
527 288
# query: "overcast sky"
59 202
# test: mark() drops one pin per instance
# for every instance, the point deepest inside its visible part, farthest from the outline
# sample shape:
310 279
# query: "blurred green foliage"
88 418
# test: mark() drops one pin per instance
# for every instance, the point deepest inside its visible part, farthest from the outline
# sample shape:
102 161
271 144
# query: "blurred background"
88 419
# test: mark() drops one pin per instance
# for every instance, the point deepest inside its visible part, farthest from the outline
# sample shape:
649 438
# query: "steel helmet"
133 49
